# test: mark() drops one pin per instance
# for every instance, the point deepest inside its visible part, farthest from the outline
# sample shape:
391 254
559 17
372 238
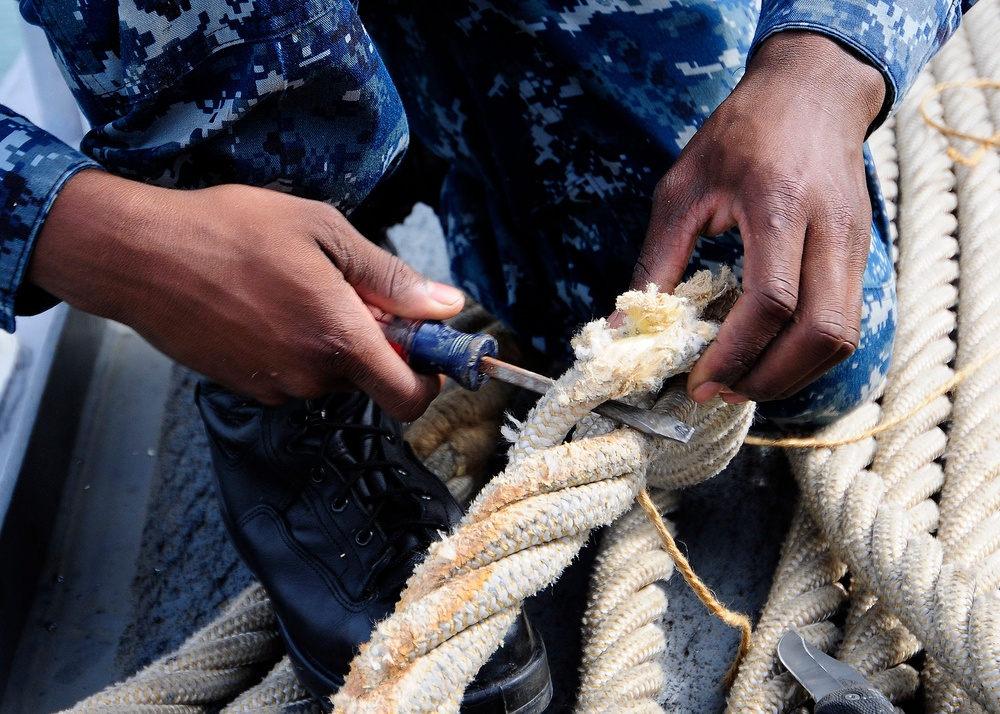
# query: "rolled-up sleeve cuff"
897 38
34 166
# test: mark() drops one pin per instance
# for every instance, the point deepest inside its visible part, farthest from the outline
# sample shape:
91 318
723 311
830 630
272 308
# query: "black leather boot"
331 511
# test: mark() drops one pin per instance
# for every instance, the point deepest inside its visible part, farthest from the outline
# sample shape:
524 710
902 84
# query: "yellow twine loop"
985 142
811 442
733 619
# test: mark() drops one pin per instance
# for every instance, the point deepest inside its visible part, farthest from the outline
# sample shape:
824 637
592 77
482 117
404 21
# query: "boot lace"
318 418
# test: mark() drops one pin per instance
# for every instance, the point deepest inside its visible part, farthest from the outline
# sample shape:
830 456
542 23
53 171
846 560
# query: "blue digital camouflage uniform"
558 118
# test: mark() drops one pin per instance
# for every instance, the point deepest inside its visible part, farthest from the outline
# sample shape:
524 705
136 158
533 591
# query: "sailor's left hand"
781 159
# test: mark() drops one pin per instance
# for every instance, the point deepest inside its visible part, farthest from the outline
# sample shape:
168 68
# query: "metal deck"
82 600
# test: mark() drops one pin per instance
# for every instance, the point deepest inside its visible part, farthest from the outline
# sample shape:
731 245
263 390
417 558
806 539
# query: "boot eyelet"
426 497
363 537
318 475
402 473
339 503
390 438
298 419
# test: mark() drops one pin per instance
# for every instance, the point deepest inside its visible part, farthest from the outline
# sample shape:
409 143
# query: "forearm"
268 294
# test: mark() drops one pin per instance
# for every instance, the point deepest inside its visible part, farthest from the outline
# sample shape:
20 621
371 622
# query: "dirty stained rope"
559 503
868 502
531 520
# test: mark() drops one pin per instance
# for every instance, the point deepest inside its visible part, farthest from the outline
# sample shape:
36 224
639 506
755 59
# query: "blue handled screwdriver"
470 359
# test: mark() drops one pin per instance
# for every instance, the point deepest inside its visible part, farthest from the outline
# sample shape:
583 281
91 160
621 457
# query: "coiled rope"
807 589
214 665
969 499
920 575
531 520
872 500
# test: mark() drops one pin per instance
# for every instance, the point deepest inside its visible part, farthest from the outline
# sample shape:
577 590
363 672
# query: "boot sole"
526 691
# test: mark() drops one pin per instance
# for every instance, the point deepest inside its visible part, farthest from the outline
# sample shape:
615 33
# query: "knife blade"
648 421
836 688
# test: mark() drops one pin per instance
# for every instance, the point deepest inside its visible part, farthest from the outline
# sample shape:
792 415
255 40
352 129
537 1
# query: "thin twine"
707 597
811 442
985 142
731 618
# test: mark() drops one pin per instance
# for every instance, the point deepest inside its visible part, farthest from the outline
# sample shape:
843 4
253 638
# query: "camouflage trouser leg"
558 118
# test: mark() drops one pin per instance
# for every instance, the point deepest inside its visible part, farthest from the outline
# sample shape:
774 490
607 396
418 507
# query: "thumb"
384 281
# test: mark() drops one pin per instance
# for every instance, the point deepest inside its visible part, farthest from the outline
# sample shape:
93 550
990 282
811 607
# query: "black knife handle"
854 700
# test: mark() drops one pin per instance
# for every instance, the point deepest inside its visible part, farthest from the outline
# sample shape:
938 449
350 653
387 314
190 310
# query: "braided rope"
932 177
969 501
885 545
624 610
627 607
805 592
213 665
275 694
874 640
804 595
530 521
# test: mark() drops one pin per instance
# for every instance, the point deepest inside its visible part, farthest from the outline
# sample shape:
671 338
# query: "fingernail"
444 294
733 398
703 392
616 318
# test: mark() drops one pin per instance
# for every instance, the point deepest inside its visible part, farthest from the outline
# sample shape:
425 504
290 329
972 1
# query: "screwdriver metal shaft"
647 421
435 348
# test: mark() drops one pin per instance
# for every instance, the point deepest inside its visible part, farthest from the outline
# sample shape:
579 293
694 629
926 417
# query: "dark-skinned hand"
781 159
268 294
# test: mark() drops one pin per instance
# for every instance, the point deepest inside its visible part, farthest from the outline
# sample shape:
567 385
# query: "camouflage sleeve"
34 166
896 37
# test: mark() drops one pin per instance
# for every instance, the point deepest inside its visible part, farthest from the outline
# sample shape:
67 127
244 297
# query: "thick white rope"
874 640
213 665
970 499
530 521
882 542
623 638
632 558
628 453
805 591
274 694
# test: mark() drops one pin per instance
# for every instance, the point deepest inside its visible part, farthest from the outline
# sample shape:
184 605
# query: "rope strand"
882 426
730 617
985 142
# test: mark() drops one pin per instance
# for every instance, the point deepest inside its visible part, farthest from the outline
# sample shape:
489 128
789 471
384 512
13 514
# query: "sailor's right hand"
265 293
